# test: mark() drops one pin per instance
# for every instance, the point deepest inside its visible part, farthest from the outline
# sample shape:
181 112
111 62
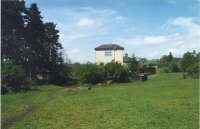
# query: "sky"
145 28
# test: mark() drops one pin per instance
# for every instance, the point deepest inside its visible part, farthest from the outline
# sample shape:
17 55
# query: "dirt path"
11 120
30 109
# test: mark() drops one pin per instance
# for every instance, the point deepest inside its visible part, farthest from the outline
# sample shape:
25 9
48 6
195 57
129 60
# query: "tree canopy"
29 42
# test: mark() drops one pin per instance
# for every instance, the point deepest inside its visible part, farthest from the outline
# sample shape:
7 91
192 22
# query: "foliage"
31 43
12 38
190 64
13 77
52 45
35 37
123 75
174 66
90 73
93 73
116 72
188 59
164 70
61 74
193 70
168 63
133 64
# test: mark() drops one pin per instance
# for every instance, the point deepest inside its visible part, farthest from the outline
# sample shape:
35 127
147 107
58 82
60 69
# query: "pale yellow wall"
117 55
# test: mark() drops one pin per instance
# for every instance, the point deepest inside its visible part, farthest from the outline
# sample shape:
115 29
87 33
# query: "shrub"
116 72
92 74
123 75
173 67
193 70
188 59
190 64
164 70
112 70
13 77
61 75
133 64
170 63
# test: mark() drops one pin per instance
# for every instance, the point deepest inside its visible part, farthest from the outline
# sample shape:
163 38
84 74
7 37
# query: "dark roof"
109 47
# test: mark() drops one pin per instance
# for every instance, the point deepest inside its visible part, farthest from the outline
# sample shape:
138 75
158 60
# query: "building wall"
116 55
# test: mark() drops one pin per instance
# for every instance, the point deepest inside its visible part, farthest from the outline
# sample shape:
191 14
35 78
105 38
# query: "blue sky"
147 28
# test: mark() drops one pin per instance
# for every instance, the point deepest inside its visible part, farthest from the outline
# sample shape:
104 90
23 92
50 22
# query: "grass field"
165 101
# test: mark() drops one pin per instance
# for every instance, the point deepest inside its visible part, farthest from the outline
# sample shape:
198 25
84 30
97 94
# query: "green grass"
165 101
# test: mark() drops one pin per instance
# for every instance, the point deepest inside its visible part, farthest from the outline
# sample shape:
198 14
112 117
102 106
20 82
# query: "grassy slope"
163 102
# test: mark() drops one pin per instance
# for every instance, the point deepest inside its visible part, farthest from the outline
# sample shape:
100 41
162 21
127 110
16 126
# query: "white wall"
117 55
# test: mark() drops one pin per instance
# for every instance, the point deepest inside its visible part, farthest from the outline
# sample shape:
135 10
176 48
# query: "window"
108 53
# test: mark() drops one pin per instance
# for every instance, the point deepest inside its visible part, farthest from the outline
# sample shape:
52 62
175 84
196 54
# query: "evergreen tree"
170 56
30 43
13 30
52 45
35 37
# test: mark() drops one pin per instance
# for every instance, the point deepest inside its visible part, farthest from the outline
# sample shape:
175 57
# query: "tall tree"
52 45
35 37
13 30
166 60
170 56
133 64
188 59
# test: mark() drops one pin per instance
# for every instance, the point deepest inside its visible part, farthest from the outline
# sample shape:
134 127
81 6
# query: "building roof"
109 47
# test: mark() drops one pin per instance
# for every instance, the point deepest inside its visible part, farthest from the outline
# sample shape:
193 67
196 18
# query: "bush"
61 75
92 74
190 64
116 72
123 75
193 70
164 70
188 59
170 63
13 77
173 67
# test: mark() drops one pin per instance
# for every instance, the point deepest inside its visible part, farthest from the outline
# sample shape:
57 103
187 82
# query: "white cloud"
189 25
132 41
85 22
195 31
75 51
120 18
99 12
177 43
74 55
155 39
180 45
185 35
183 21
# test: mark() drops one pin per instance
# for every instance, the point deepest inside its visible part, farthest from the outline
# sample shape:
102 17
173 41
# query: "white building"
109 52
